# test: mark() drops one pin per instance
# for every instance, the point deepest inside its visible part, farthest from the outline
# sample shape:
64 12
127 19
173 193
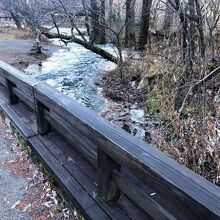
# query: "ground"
25 192
17 51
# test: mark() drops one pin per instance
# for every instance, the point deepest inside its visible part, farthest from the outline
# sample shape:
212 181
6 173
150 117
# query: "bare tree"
102 23
95 21
9 5
168 17
145 23
212 18
130 38
192 31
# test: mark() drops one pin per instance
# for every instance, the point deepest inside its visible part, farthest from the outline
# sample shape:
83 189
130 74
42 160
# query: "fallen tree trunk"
95 49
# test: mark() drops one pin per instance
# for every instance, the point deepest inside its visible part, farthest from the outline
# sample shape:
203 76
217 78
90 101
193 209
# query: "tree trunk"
95 17
102 23
192 31
168 17
86 17
36 48
110 13
200 28
130 23
106 55
182 16
145 23
16 19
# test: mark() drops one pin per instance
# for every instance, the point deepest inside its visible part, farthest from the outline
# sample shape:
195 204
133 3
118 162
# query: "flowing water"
73 70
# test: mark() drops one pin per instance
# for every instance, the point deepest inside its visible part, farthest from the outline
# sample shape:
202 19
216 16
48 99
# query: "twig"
193 87
208 77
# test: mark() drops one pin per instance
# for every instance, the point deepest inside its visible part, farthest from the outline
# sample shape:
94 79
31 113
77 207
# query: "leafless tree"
9 5
145 23
130 39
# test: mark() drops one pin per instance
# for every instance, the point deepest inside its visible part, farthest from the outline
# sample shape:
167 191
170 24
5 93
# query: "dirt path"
16 52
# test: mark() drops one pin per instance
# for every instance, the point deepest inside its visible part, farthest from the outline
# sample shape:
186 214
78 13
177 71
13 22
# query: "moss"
171 136
2 115
211 66
13 129
24 147
153 102
10 37
151 75
179 70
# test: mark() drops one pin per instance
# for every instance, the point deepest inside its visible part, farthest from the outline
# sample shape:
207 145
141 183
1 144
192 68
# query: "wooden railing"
158 185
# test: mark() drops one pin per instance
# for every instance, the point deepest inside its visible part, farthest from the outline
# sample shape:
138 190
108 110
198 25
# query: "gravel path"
25 193
12 188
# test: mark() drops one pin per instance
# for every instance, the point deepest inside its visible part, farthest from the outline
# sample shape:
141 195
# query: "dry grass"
192 137
24 34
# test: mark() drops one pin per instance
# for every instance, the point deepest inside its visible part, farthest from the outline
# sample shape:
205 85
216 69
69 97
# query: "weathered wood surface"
195 193
73 136
61 153
180 193
86 204
16 122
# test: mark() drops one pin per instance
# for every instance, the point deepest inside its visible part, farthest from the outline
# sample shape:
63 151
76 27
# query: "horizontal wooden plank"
2 81
16 74
78 141
82 171
27 115
21 80
143 200
184 188
28 100
191 188
81 198
16 121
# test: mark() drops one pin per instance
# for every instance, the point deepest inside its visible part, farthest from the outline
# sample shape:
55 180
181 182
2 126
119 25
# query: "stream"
73 70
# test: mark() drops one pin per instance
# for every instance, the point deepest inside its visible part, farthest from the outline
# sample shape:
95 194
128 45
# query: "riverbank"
191 135
126 106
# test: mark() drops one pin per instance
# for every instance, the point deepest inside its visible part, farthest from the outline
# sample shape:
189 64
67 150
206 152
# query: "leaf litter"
41 200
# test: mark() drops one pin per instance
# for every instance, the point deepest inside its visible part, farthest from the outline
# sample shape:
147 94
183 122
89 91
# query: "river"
73 70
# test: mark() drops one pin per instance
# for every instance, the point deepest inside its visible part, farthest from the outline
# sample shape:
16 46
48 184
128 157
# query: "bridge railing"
157 184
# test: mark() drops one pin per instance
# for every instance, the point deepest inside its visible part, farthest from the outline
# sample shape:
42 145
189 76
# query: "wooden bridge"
108 173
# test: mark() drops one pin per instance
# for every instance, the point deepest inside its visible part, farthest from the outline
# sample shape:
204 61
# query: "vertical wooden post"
43 126
107 189
13 99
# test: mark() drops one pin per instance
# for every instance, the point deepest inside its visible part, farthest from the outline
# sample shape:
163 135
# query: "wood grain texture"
80 197
107 188
143 200
78 141
13 99
17 122
27 99
192 189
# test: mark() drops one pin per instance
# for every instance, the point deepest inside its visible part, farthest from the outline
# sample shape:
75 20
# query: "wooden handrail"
118 156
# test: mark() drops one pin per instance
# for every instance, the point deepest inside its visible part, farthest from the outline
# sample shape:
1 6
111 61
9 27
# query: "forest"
167 54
